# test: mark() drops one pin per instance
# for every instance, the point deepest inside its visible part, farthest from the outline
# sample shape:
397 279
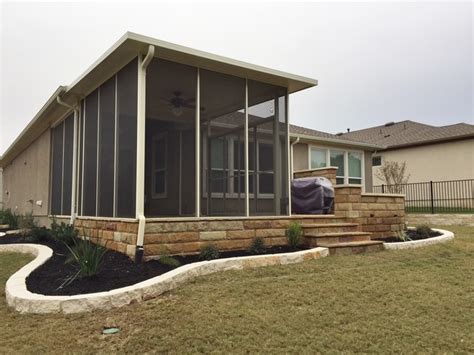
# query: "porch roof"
120 54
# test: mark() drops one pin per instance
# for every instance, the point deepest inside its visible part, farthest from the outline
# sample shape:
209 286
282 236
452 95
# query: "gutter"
140 180
74 158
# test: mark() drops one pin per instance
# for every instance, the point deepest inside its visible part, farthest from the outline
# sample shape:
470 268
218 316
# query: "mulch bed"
117 269
413 235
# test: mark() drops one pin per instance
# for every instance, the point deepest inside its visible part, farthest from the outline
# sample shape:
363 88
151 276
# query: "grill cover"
312 195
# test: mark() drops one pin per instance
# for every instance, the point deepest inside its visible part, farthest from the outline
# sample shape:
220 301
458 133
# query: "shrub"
63 232
424 231
169 260
257 246
9 217
38 234
87 256
209 252
26 222
293 235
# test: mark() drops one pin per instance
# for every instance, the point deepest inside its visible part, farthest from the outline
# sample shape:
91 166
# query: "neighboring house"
313 149
431 153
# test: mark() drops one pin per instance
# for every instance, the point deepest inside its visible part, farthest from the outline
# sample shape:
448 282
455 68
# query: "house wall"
434 162
1 188
26 179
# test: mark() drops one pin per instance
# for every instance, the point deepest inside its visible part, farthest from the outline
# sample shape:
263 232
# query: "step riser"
329 229
314 242
356 249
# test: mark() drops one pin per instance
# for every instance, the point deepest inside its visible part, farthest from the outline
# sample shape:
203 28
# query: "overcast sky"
375 62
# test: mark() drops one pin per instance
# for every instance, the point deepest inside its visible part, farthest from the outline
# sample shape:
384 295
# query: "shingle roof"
311 132
406 133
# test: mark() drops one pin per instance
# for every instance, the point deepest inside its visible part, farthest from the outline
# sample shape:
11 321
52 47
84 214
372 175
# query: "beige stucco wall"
27 179
435 162
301 160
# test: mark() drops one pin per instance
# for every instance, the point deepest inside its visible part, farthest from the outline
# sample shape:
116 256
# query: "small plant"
38 234
169 260
209 252
9 217
293 235
257 246
63 232
87 256
403 236
26 221
424 231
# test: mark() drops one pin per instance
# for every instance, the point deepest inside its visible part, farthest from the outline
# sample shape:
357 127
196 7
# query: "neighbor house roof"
120 54
308 135
409 133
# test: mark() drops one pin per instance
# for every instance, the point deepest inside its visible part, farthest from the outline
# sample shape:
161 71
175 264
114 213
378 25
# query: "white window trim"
230 188
346 162
154 169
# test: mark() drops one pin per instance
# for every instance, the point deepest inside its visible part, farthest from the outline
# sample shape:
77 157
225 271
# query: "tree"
393 174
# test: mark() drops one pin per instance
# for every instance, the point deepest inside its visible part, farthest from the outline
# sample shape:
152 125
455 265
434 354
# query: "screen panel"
57 168
90 154
67 166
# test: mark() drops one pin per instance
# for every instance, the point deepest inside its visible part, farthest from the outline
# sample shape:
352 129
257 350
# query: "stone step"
311 228
350 248
316 239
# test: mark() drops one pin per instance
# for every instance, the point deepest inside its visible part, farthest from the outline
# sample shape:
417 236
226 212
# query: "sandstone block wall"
329 172
383 215
120 236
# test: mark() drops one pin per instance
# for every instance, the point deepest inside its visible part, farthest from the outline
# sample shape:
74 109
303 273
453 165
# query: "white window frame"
230 141
154 170
346 161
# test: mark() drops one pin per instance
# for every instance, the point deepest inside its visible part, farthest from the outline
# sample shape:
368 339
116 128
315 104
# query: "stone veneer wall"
383 215
188 237
118 235
328 172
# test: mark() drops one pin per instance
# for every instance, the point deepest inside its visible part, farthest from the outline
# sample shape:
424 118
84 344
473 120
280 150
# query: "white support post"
198 145
246 149
289 151
74 165
140 163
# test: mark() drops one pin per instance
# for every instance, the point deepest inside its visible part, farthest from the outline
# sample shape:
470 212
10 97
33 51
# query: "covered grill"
312 195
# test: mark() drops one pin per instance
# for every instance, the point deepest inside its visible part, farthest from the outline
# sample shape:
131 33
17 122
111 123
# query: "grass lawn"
419 300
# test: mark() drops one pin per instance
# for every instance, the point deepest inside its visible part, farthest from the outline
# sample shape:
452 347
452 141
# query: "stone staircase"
340 238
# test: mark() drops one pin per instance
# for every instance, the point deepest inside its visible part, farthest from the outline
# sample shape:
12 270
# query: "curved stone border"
2 234
444 237
24 301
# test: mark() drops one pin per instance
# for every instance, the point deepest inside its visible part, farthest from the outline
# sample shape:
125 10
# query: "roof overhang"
121 53
336 142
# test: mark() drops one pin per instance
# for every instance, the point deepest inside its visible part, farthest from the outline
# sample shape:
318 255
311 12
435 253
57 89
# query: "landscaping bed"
418 233
117 270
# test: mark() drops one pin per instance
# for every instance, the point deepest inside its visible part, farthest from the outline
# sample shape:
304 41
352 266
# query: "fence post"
383 191
432 201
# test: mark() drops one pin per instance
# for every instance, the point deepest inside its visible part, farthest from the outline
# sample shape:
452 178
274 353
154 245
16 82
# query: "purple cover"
312 195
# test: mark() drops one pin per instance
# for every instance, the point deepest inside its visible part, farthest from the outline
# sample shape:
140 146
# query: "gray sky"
375 62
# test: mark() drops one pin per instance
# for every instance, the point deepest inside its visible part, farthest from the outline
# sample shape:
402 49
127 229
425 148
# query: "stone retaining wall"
383 215
328 172
118 235
448 219
188 237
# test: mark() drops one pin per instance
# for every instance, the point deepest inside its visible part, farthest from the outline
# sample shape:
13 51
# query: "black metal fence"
455 196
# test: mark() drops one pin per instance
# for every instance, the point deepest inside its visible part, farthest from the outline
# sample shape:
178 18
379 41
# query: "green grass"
419 300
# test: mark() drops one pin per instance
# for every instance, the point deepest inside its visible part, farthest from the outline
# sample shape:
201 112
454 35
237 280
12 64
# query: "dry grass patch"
393 301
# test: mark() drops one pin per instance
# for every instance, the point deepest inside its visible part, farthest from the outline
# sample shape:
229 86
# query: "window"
377 161
337 159
355 167
219 151
265 168
348 163
160 153
318 158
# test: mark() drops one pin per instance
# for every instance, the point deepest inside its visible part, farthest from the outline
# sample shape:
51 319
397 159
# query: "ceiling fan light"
177 111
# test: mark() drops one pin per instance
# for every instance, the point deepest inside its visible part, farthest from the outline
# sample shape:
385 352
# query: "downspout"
140 181
74 158
291 156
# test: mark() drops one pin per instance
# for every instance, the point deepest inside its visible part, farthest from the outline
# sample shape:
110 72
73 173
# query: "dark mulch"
117 270
413 236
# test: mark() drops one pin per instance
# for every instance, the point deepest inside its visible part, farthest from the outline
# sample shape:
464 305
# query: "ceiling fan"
177 103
